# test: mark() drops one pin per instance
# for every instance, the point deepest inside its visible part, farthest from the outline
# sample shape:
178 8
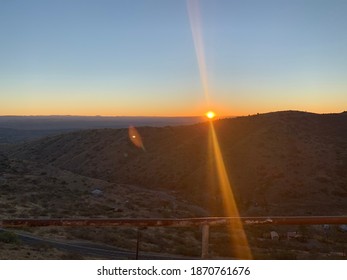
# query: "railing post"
138 239
205 238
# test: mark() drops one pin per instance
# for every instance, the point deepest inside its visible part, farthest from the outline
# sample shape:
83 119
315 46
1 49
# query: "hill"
282 163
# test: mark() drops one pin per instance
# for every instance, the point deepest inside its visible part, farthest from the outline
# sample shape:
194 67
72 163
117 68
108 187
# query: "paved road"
91 249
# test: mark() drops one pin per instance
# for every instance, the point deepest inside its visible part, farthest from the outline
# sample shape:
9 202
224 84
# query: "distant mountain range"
15 129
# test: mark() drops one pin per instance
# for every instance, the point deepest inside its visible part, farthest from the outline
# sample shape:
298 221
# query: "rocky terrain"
282 163
285 163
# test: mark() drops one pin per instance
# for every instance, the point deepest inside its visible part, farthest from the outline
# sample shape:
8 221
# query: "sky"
138 58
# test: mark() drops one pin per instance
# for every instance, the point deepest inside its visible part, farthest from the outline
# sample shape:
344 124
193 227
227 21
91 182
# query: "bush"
9 237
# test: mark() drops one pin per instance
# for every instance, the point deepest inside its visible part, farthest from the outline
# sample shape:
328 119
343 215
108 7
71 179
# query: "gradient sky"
132 57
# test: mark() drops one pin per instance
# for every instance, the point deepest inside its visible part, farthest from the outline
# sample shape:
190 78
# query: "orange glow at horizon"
55 108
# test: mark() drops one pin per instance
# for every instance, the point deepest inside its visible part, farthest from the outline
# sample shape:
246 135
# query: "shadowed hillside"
281 163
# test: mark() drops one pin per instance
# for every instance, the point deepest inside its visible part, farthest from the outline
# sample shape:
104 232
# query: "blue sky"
138 58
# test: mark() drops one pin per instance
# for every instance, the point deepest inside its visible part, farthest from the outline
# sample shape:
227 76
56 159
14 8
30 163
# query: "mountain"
281 163
88 122
16 129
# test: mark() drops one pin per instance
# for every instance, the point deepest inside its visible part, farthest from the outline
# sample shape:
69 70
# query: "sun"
210 115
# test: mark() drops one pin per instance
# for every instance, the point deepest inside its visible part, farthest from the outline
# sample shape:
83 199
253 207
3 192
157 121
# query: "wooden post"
205 238
138 243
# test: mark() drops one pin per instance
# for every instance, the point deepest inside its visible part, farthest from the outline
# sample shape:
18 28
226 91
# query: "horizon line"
103 116
170 116
120 116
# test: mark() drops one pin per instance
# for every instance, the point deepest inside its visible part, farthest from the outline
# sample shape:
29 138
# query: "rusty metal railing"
187 222
204 222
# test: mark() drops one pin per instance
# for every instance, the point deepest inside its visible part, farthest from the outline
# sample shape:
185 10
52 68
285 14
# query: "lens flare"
239 240
135 137
195 24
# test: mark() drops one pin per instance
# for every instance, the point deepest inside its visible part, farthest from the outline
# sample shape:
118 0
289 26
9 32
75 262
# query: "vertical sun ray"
237 233
195 24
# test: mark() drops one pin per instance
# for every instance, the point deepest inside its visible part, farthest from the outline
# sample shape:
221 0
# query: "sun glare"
237 233
210 115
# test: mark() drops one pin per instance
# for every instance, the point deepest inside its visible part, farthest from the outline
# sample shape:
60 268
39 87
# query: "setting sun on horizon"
210 115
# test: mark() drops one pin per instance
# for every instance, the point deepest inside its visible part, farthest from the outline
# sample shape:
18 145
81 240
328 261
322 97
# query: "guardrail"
204 223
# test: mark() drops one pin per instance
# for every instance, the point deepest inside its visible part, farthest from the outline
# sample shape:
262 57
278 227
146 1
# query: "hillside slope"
281 163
